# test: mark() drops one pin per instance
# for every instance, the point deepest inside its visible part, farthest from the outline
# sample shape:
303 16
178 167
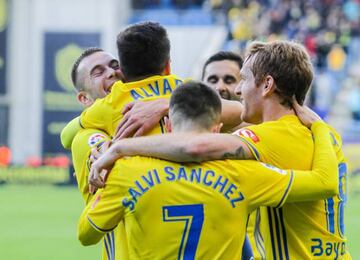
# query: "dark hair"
223 55
196 102
74 75
288 63
143 49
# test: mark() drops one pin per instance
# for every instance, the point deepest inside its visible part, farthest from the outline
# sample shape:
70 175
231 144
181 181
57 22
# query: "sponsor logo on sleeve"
95 138
248 134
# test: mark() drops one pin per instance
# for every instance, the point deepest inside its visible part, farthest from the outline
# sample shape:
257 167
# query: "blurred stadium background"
39 41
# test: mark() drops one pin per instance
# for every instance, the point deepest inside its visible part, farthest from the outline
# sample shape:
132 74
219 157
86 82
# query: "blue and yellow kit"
306 230
187 211
105 114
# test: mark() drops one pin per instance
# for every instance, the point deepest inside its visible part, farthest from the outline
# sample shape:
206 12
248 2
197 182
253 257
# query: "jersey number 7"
193 216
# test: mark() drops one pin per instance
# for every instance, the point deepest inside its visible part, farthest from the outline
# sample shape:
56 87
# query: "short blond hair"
288 63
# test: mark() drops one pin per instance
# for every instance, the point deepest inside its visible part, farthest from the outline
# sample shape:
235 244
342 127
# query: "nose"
111 73
237 89
114 73
220 86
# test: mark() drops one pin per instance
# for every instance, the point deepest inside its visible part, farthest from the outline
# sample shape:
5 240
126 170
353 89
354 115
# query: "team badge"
273 168
248 134
95 138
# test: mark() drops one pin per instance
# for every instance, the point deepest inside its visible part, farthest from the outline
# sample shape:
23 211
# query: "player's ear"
84 99
269 86
217 128
168 126
167 70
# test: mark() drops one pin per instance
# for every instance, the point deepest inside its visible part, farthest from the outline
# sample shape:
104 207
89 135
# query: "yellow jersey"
115 246
305 230
199 210
105 114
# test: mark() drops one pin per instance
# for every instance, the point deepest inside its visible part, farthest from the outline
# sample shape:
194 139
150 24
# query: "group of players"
180 206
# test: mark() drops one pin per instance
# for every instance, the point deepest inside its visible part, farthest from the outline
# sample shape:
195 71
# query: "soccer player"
144 52
93 75
222 73
272 75
189 211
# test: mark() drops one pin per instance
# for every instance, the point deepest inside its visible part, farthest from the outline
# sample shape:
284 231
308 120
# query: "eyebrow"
213 76
229 76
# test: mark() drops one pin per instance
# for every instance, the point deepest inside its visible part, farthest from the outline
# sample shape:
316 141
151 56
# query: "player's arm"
184 147
88 234
83 143
68 133
142 116
103 213
270 186
273 189
322 181
188 147
181 147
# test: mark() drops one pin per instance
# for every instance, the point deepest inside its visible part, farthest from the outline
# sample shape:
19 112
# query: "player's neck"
274 111
189 127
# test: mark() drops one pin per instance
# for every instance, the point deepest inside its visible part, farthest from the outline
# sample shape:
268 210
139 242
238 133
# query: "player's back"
298 230
186 211
105 114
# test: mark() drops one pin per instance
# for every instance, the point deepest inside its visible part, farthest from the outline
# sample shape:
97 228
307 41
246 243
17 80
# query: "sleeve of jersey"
99 115
252 140
322 181
82 144
102 214
68 133
265 185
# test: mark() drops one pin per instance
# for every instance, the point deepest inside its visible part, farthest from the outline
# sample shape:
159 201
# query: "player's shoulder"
288 123
89 137
108 99
138 162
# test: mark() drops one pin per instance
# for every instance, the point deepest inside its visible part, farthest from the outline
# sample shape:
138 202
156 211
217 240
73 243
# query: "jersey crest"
95 138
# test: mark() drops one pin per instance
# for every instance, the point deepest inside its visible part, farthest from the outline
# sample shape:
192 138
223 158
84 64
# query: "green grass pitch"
39 222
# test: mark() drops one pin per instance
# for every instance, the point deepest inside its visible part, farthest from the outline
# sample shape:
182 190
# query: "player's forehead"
246 68
221 68
100 58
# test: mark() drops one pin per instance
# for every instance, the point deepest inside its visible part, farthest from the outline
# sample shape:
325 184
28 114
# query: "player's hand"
100 169
97 181
98 151
305 114
140 117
